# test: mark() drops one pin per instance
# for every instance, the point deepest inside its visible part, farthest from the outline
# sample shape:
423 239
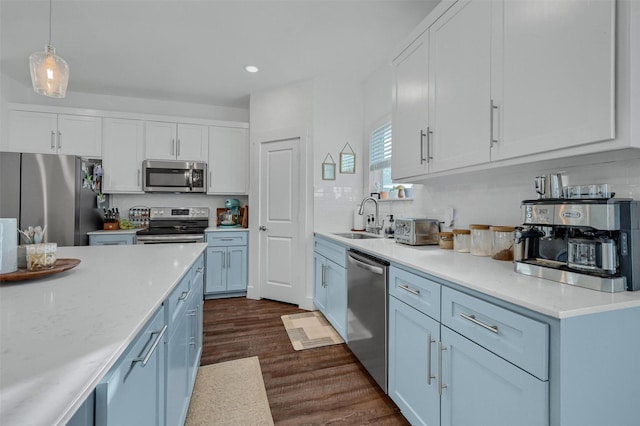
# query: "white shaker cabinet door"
410 115
34 132
122 155
460 86
160 140
554 75
228 160
80 135
193 142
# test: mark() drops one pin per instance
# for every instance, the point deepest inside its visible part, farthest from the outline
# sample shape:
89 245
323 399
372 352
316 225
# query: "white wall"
338 120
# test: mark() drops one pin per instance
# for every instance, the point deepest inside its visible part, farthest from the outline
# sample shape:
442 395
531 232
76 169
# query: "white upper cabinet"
410 116
460 89
122 155
51 133
228 160
176 141
553 81
507 80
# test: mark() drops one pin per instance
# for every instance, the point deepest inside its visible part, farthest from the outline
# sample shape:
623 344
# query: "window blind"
380 157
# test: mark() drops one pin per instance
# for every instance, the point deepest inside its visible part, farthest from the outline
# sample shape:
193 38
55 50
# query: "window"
380 158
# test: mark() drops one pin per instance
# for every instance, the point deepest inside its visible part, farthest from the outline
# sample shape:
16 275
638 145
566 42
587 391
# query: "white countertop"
225 229
60 335
495 278
114 231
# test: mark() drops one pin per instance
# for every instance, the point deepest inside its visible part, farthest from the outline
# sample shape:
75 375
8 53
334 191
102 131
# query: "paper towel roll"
8 245
358 220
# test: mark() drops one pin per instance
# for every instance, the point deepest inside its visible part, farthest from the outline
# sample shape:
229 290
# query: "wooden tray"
23 274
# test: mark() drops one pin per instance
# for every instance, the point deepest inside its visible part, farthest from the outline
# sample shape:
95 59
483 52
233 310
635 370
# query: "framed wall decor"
328 168
347 160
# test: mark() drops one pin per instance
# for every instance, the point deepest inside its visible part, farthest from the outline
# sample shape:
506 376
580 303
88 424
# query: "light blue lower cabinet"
484 389
177 372
413 353
133 392
330 292
226 271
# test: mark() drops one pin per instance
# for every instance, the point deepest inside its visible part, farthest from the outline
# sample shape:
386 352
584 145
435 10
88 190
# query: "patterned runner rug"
310 330
229 393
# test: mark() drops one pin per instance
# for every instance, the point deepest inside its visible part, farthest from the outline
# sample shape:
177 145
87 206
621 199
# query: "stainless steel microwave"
174 176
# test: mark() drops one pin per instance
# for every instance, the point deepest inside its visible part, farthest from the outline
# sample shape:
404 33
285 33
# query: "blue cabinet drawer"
133 390
521 340
177 300
226 238
416 291
333 251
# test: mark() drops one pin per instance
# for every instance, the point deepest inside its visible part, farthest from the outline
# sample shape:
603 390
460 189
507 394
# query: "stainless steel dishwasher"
367 305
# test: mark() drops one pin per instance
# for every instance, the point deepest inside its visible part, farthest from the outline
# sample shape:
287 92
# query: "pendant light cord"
50 7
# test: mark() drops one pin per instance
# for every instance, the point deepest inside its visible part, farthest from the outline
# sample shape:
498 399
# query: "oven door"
174 176
170 239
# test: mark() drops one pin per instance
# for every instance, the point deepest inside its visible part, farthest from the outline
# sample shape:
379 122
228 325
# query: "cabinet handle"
192 313
472 318
53 140
138 176
226 239
429 375
422 135
228 260
324 276
491 115
178 147
185 295
441 385
409 289
173 147
145 359
59 139
429 133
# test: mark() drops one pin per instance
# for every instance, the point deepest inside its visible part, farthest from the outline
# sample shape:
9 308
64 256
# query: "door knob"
263 228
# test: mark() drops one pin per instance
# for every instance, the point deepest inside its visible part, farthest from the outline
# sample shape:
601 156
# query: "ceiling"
195 51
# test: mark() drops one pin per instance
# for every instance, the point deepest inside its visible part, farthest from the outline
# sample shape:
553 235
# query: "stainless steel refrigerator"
52 190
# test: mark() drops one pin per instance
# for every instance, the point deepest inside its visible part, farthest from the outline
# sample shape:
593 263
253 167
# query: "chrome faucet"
377 226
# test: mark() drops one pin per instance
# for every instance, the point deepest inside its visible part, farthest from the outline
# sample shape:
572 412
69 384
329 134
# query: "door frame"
304 271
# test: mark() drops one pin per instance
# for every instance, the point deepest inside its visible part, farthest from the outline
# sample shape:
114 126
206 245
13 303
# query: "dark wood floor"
315 386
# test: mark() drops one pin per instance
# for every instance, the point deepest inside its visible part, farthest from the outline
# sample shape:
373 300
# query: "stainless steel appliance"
178 225
416 232
174 176
56 191
592 243
367 304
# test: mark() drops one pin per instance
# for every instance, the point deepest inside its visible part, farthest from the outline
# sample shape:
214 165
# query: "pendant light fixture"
49 72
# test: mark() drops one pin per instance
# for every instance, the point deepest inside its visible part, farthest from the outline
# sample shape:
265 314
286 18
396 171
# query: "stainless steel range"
176 225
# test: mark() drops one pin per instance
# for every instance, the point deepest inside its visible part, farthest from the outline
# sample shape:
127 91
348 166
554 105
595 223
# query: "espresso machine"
591 243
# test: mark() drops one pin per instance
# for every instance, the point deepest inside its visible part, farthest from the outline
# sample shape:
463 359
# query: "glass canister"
445 240
502 242
461 240
480 240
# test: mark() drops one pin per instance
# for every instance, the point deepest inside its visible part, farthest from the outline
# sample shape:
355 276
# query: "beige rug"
230 393
310 330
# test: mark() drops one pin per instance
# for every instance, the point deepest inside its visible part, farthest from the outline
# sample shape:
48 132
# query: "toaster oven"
417 231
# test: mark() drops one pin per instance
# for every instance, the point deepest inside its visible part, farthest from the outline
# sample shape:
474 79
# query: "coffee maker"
591 243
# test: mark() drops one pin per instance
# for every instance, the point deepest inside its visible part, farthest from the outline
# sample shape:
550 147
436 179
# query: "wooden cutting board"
245 217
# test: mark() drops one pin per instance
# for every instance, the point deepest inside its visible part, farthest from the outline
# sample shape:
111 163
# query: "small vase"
22 256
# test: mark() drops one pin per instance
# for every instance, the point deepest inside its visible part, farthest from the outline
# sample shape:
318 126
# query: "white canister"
8 245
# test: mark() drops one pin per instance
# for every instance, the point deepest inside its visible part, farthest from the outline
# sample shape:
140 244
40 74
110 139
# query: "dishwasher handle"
369 267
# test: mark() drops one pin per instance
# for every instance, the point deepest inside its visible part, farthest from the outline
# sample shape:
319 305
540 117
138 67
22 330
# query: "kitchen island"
60 335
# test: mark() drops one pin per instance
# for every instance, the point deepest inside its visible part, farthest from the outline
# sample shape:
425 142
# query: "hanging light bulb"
49 72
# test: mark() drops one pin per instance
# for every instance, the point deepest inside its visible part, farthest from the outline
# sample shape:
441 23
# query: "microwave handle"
191 180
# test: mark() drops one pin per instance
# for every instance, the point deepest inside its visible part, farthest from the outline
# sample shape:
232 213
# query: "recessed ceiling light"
251 68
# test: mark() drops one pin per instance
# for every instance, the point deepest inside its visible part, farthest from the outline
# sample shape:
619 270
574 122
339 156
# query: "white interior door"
279 221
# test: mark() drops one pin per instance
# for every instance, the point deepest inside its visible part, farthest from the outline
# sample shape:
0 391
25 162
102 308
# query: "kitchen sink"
357 235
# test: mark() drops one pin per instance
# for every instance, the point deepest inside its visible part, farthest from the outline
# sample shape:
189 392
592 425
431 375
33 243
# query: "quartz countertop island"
495 278
61 334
